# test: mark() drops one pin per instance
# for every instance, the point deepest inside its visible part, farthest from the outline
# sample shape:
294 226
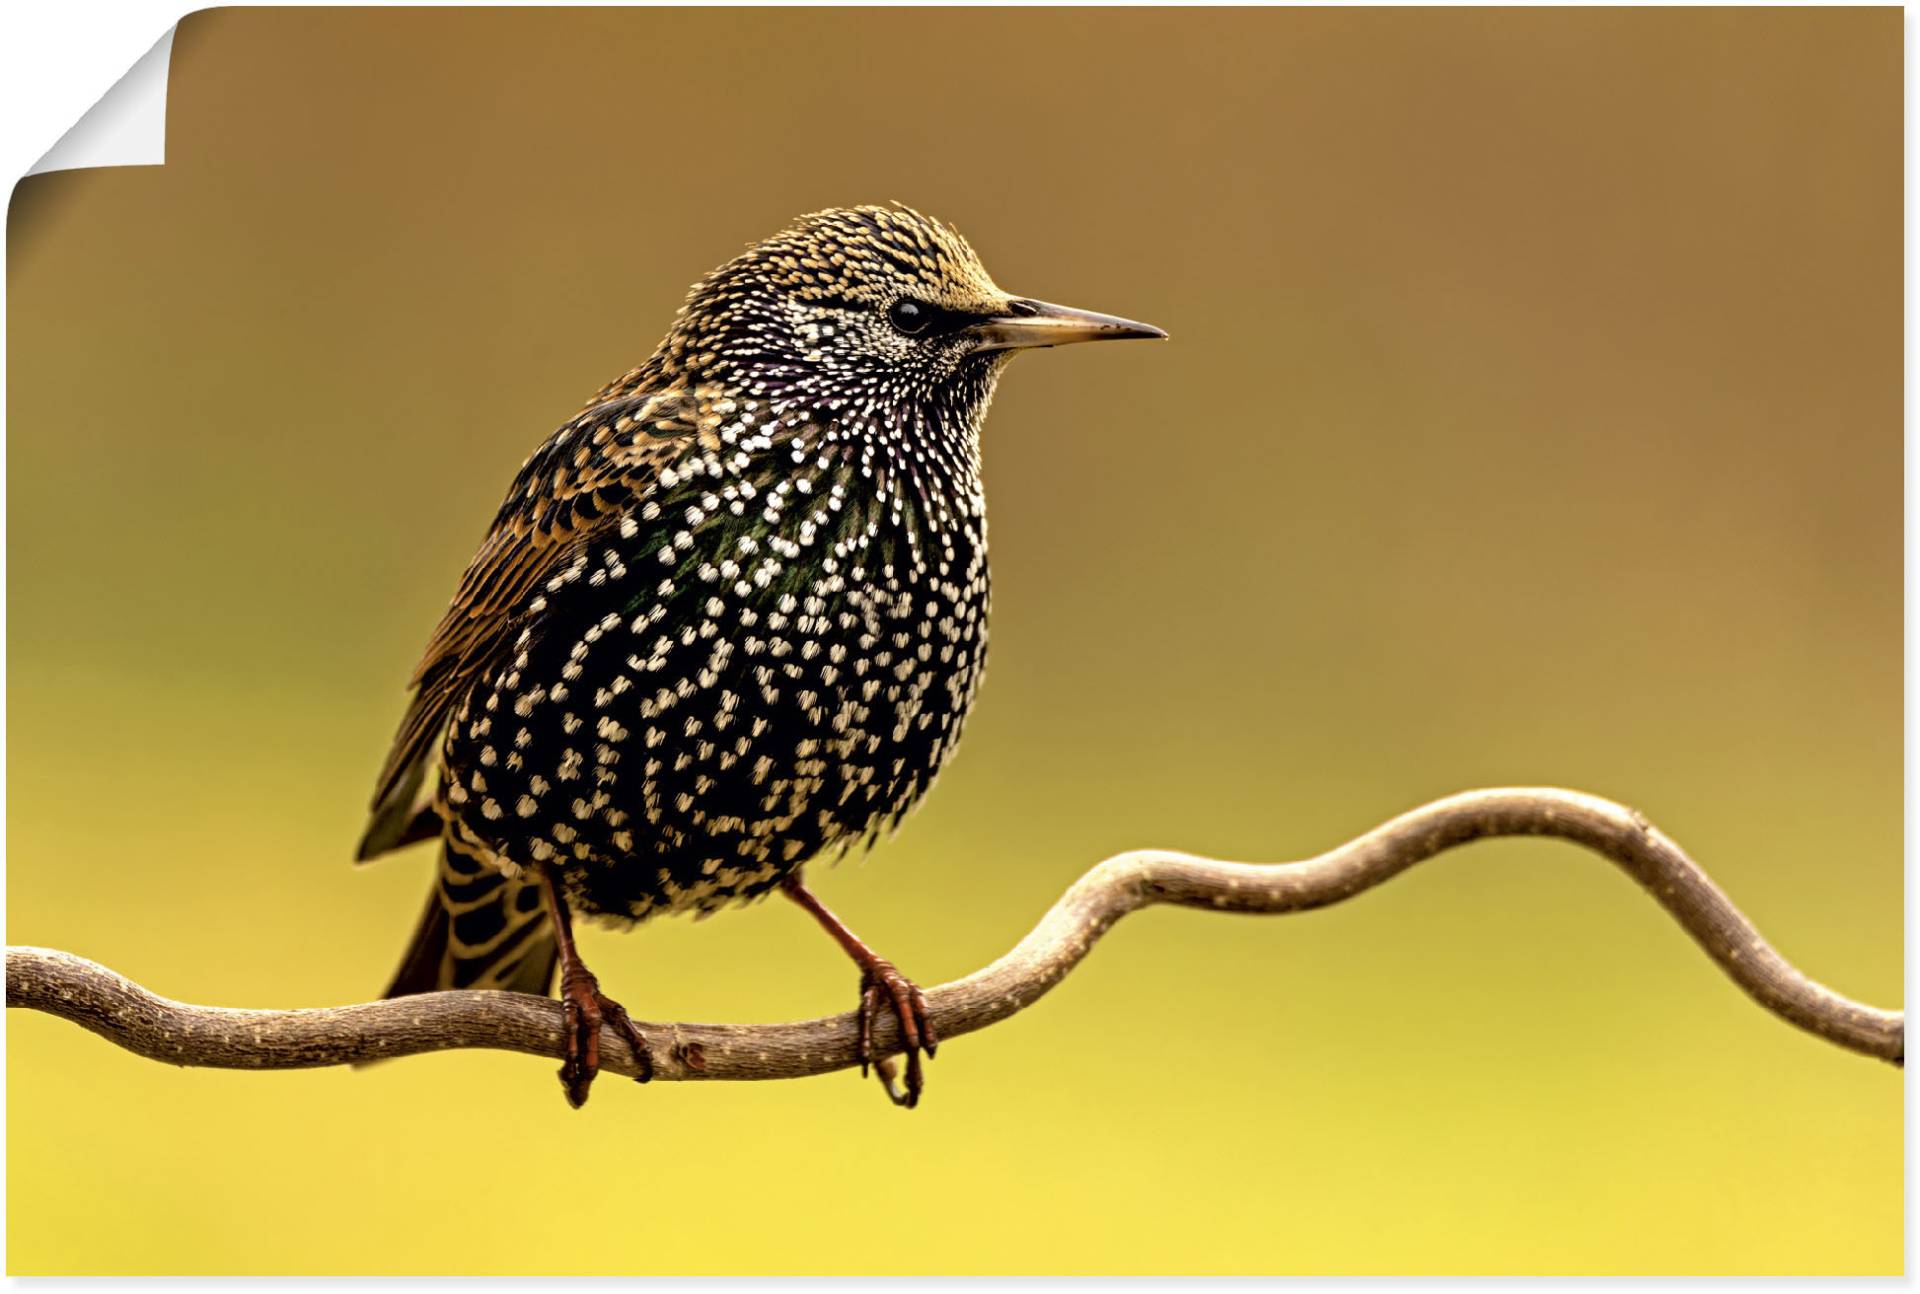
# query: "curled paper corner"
127 127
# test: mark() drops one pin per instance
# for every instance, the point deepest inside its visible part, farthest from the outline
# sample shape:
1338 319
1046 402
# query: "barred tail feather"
481 929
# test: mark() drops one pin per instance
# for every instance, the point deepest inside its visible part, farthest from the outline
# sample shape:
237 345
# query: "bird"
730 619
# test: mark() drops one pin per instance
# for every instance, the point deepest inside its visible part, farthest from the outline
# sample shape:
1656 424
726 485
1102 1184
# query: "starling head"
862 305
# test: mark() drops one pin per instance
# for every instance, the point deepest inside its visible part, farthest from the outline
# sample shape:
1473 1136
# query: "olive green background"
1532 415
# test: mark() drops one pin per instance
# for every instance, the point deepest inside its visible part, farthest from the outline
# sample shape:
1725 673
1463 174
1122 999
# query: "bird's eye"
909 316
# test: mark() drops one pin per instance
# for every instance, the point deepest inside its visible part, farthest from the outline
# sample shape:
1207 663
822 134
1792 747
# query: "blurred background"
1533 415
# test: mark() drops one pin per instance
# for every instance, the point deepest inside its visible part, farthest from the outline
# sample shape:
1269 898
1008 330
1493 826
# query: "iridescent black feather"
732 615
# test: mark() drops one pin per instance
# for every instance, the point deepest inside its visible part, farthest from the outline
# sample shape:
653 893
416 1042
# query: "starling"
730 618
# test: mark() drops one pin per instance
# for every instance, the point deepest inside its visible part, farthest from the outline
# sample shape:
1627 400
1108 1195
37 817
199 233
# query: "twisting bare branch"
126 1014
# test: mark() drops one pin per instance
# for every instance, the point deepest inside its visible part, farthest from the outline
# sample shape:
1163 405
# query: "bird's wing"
588 474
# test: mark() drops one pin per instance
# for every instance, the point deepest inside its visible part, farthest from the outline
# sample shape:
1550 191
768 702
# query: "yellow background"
1533 415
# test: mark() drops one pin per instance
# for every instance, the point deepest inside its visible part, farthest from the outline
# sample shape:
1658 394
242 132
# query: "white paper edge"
127 127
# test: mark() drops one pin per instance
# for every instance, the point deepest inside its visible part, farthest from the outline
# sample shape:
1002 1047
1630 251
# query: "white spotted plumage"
731 616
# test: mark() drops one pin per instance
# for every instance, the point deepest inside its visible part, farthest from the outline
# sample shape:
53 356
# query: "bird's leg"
586 1007
880 984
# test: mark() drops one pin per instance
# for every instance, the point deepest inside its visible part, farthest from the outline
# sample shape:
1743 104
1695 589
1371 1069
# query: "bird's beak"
1036 323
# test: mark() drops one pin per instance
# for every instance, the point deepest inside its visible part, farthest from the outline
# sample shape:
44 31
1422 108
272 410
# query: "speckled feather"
730 617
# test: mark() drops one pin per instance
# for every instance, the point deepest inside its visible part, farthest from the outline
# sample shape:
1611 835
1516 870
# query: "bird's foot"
587 1008
882 985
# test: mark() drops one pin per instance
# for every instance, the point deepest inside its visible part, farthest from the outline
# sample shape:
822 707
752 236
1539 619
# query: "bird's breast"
740 676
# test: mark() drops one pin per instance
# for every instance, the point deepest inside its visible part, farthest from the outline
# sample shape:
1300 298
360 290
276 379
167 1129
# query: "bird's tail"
482 929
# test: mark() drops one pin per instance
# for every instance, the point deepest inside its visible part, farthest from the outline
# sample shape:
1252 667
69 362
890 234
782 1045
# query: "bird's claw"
882 985
586 1009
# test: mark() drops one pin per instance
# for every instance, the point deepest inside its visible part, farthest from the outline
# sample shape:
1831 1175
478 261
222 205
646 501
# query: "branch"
124 1013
